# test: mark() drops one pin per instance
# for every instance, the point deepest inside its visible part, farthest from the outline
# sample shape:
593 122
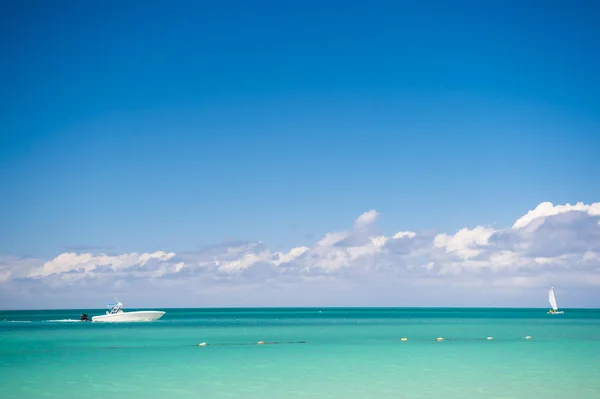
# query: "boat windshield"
115 307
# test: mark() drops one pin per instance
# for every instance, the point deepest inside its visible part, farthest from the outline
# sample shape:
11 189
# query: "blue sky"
145 127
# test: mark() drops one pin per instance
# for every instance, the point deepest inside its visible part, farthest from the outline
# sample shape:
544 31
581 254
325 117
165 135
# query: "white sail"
552 299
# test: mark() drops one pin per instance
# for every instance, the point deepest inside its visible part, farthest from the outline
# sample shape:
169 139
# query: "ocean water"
320 353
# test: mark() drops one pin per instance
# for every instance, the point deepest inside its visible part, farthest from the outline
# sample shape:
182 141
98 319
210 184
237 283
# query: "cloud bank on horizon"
555 245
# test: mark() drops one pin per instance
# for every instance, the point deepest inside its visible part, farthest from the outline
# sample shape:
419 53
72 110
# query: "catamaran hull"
127 317
556 312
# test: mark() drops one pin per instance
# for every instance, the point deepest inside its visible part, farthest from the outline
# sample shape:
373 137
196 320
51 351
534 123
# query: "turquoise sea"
321 353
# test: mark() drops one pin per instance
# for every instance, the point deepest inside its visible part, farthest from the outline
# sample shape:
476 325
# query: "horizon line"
311 307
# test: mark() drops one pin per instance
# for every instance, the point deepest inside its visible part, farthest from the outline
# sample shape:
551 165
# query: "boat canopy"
115 307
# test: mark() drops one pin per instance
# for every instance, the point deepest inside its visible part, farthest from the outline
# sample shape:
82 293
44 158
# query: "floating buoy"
403 339
489 338
202 344
440 339
528 337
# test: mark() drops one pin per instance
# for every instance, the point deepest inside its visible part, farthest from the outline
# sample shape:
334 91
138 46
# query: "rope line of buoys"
403 339
440 339
251 343
203 344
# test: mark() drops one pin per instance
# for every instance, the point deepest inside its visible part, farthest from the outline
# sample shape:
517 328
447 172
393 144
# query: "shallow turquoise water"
347 353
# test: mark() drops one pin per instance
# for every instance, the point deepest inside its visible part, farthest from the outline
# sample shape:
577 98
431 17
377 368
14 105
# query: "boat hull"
127 317
561 312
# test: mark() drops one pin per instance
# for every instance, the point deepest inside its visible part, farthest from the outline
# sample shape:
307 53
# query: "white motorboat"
117 315
552 300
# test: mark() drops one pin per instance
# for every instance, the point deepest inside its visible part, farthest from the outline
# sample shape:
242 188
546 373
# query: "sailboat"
552 300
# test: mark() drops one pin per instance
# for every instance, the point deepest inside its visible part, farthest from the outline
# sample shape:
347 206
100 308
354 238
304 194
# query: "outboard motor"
84 317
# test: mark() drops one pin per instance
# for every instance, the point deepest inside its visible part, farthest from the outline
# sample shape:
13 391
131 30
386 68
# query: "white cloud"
331 239
4 276
293 254
333 258
590 256
549 245
87 262
12 267
366 218
465 243
404 234
547 261
237 259
548 209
